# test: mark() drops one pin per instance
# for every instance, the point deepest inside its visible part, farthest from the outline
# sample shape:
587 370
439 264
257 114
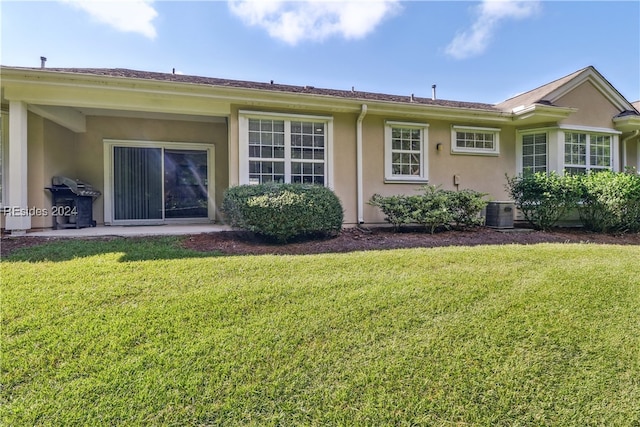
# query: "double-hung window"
405 151
284 148
534 153
586 152
475 140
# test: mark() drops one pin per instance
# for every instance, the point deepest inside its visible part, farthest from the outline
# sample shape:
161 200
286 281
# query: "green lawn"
128 332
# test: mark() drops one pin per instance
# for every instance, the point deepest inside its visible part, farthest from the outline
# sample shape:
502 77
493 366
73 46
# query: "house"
163 147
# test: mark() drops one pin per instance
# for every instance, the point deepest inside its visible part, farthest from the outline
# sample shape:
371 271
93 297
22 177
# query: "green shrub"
466 207
544 198
433 209
610 201
397 209
282 212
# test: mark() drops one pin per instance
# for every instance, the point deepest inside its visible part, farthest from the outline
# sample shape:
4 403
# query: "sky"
476 51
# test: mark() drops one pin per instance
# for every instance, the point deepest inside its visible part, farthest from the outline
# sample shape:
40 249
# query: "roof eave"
541 113
627 123
258 97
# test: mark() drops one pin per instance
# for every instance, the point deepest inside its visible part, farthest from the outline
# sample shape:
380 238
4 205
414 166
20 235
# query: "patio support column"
17 219
359 171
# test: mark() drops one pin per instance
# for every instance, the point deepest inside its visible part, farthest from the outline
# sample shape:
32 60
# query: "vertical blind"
137 183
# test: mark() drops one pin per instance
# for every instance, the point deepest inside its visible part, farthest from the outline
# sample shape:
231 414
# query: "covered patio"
130 231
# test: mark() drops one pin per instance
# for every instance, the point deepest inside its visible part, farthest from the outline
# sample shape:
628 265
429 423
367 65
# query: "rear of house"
162 148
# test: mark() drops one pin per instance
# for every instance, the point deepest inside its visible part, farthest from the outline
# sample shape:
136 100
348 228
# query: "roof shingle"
270 86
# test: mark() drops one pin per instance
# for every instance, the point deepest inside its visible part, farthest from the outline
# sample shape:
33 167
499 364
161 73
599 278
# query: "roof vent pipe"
433 92
42 61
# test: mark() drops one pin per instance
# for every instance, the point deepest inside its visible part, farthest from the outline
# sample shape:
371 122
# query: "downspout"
359 172
624 148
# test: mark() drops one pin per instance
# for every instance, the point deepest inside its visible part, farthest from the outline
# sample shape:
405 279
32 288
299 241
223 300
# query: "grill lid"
78 187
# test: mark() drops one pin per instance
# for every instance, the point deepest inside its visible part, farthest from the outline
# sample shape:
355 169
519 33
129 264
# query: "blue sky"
484 51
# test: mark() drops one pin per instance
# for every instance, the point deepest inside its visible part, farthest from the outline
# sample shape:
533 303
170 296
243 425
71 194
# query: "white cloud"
475 40
316 20
134 16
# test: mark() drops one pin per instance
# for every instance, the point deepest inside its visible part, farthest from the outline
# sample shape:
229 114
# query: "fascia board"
114 97
436 112
89 92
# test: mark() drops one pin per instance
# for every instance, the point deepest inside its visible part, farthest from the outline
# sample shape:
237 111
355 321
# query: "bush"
544 198
610 201
398 210
282 212
433 209
466 207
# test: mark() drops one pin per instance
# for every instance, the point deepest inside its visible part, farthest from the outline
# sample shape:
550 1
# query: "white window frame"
108 146
243 136
389 176
556 142
520 148
495 151
589 134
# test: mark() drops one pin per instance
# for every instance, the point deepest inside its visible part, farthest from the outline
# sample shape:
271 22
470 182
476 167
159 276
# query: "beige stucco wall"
481 173
50 152
477 172
90 147
344 164
633 153
594 110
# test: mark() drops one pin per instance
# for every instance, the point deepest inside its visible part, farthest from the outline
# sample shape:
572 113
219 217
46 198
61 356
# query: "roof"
542 96
270 86
537 95
550 92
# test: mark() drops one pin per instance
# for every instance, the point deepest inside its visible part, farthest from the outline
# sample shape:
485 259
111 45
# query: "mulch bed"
358 239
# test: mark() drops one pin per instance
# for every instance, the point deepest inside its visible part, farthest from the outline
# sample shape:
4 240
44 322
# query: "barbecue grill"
72 205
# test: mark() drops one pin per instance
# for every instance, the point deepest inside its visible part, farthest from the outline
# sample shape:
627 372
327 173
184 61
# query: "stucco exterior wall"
90 147
344 164
633 154
477 172
594 110
50 149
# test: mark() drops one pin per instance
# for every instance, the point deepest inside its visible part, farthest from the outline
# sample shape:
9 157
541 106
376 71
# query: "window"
584 152
290 149
534 153
473 140
405 154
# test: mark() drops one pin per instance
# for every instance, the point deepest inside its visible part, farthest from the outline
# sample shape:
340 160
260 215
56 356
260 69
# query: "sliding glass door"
153 184
185 184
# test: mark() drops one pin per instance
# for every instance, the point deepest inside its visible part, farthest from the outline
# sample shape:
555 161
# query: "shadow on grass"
130 248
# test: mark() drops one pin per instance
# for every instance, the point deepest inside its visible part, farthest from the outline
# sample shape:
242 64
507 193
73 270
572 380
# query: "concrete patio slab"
124 231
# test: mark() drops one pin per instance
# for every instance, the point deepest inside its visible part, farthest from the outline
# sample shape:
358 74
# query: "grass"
131 332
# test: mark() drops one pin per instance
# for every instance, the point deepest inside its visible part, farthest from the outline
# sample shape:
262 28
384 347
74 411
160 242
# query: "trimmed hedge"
435 208
610 202
544 199
605 201
282 212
